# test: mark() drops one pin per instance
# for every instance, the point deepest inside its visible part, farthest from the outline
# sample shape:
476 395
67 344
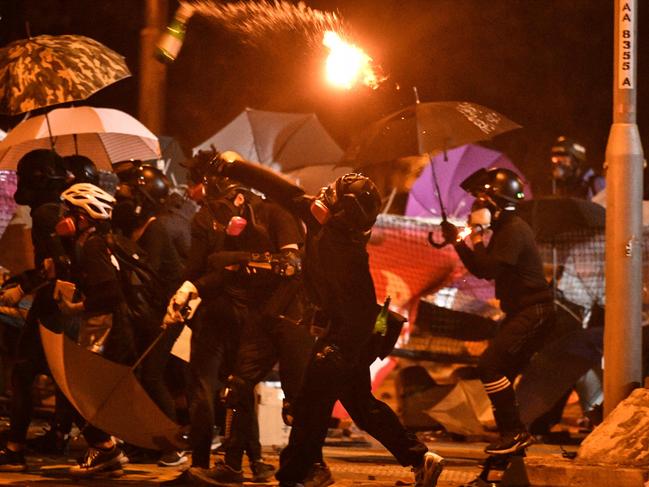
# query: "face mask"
481 216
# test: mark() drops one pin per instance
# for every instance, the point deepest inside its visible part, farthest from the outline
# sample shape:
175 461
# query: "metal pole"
151 105
624 162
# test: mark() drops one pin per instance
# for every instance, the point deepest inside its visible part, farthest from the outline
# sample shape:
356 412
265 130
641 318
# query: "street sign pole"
624 163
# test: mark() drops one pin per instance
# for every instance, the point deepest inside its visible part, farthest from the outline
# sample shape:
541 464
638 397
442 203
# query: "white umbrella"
104 135
283 141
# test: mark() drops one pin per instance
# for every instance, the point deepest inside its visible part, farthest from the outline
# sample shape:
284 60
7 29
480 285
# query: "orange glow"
348 64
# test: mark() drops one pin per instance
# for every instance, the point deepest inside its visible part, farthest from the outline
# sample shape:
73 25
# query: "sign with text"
625 78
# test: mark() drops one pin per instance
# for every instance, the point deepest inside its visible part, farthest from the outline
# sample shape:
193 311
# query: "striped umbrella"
104 135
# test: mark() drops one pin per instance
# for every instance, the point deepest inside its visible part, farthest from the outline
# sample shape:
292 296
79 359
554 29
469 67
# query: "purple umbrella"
462 162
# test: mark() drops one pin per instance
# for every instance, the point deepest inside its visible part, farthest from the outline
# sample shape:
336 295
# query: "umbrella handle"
437 245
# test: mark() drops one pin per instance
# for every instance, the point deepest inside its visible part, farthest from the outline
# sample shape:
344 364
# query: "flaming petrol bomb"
348 64
258 23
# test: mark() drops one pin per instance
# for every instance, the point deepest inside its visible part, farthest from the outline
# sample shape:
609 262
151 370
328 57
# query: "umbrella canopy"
172 160
104 135
312 178
451 170
108 395
47 70
555 369
427 127
553 217
284 141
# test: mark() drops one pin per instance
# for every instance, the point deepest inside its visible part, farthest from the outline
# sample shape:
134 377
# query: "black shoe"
427 474
510 443
319 476
218 475
172 459
96 462
50 443
12 461
261 472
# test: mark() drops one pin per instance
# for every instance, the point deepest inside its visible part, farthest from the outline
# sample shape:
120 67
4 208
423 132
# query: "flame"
464 233
348 64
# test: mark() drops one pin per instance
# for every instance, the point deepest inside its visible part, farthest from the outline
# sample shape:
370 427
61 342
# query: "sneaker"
12 461
318 476
172 459
261 472
428 472
510 443
96 462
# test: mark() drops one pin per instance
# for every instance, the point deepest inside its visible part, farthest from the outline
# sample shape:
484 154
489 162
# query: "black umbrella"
427 127
555 369
553 217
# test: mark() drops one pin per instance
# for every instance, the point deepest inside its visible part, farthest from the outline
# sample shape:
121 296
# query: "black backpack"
142 288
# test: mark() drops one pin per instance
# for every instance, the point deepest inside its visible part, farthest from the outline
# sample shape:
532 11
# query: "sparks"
348 64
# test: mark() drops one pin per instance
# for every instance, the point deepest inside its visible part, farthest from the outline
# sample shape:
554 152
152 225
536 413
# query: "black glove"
449 232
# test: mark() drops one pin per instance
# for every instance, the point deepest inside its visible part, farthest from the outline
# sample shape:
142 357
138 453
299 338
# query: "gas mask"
321 205
66 227
231 206
563 168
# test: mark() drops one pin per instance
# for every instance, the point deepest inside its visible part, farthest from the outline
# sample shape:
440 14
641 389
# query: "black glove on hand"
449 232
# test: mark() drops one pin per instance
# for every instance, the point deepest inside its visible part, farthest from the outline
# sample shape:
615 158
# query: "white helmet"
94 200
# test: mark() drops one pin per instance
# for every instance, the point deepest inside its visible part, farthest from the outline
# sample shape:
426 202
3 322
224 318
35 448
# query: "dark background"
546 64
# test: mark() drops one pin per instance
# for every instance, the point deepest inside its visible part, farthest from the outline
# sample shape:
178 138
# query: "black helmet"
501 187
143 179
565 146
353 200
41 177
83 169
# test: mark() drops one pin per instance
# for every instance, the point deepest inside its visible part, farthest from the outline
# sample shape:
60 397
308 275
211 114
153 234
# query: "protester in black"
271 290
97 302
512 260
41 178
338 280
140 197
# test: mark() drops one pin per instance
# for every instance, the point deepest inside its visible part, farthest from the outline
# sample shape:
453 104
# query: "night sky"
546 64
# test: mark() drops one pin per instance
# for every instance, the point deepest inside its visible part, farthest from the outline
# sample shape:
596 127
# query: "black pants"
330 376
212 346
521 334
264 342
152 370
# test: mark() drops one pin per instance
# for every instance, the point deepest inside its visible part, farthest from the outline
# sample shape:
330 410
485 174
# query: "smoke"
257 22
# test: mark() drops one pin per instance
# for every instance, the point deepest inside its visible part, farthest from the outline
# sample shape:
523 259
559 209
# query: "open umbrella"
552 217
105 135
312 178
451 170
47 70
427 127
555 369
108 395
284 141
